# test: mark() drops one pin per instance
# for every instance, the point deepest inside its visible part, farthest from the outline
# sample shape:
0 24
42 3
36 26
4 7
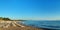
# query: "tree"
6 19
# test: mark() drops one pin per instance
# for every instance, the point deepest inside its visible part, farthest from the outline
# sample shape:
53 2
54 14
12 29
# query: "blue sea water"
43 24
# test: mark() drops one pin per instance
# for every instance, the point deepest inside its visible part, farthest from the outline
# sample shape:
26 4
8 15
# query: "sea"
51 25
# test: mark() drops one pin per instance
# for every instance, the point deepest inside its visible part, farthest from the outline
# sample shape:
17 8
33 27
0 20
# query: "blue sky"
30 9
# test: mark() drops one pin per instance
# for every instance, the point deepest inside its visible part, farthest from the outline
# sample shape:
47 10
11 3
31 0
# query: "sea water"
43 24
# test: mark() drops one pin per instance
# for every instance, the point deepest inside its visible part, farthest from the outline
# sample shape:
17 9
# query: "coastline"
12 25
20 28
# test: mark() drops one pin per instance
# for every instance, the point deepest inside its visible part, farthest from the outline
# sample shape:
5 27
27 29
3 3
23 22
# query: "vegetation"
8 19
1 18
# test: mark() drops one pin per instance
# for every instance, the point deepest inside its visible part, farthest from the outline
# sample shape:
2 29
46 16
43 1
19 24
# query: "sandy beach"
12 25
20 28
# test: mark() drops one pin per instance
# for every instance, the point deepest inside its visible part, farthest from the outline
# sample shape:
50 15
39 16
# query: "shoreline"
13 25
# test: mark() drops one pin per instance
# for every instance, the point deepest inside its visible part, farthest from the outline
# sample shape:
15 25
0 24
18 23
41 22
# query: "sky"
30 9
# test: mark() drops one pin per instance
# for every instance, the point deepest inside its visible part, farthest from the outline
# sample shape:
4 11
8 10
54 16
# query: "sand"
20 28
12 25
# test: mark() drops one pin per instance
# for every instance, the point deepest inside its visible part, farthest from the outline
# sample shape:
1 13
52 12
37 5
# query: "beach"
20 28
12 25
